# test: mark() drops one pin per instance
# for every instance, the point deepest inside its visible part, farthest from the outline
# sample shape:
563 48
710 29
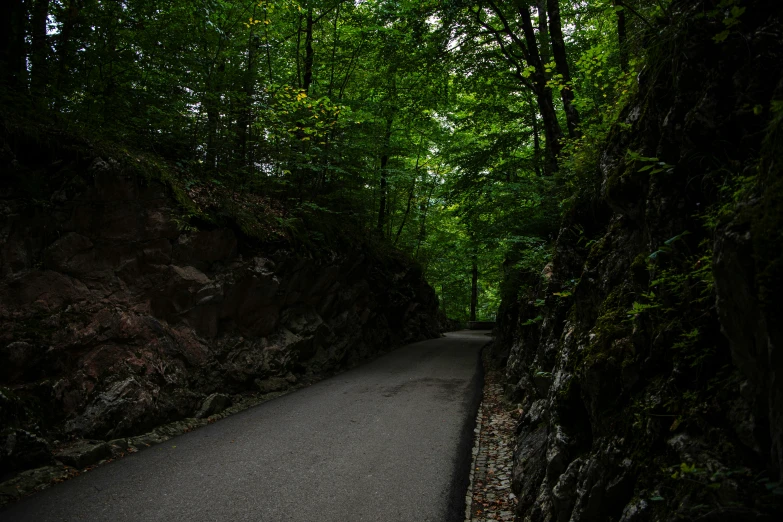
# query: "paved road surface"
386 442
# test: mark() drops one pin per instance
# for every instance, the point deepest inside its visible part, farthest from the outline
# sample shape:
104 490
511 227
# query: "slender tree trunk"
322 176
543 93
245 109
552 130
411 192
473 287
407 211
108 80
561 63
212 135
390 211
424 208
39 50
536 141
64 42
335 40
12 55
211 107
307 78
267 46
543 31
298 53
382 210
622 36
351 66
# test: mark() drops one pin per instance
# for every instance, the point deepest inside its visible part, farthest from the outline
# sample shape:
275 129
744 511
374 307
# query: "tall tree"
561 63
522 53
473 286
39 48
12 36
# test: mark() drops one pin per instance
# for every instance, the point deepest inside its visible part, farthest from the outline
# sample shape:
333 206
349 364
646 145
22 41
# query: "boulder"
84 453
271 384
215 403
21 449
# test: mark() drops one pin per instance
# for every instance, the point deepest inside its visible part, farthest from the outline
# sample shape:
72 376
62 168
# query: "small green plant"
638 308
536 319
731 13
667 245
774 488
686 470
183 224
652 165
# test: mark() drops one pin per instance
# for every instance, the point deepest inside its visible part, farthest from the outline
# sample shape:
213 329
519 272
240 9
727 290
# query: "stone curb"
31 481
82 456
473 464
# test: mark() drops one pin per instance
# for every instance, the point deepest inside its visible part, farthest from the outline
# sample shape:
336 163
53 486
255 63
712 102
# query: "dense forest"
455 130
602 176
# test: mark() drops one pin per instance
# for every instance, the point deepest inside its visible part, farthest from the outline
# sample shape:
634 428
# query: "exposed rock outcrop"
648 361
113 320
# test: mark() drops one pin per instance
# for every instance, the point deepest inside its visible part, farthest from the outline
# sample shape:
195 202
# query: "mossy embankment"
651 384
134 293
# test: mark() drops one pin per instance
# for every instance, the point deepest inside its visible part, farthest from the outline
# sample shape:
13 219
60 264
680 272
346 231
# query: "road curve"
385 442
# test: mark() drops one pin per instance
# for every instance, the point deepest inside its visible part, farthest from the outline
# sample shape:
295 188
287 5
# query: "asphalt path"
388 441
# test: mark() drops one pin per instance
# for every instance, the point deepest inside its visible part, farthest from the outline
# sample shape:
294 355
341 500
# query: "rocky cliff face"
647 358
113 320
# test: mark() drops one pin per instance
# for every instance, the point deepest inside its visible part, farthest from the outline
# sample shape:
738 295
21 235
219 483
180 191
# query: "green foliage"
638 308
730 13
604 93
400 117
680 280
537 319
651 165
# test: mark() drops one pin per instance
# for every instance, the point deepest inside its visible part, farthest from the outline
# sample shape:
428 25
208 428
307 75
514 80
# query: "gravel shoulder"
490 496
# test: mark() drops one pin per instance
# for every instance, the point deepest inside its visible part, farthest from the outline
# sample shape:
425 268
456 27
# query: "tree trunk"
407 211
298 54
552 130
424 208
212 127
245 110
410 194
622 36
307 78
335 41
473 288
561 63
39 50
543 31
12 55
64 42
384 181
267 47
212 108
543 93
536 141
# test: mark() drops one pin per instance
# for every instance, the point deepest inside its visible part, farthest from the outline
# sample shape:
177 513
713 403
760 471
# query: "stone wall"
113 320
647 359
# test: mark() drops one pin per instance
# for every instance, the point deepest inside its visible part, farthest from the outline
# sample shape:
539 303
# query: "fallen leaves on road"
492 498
